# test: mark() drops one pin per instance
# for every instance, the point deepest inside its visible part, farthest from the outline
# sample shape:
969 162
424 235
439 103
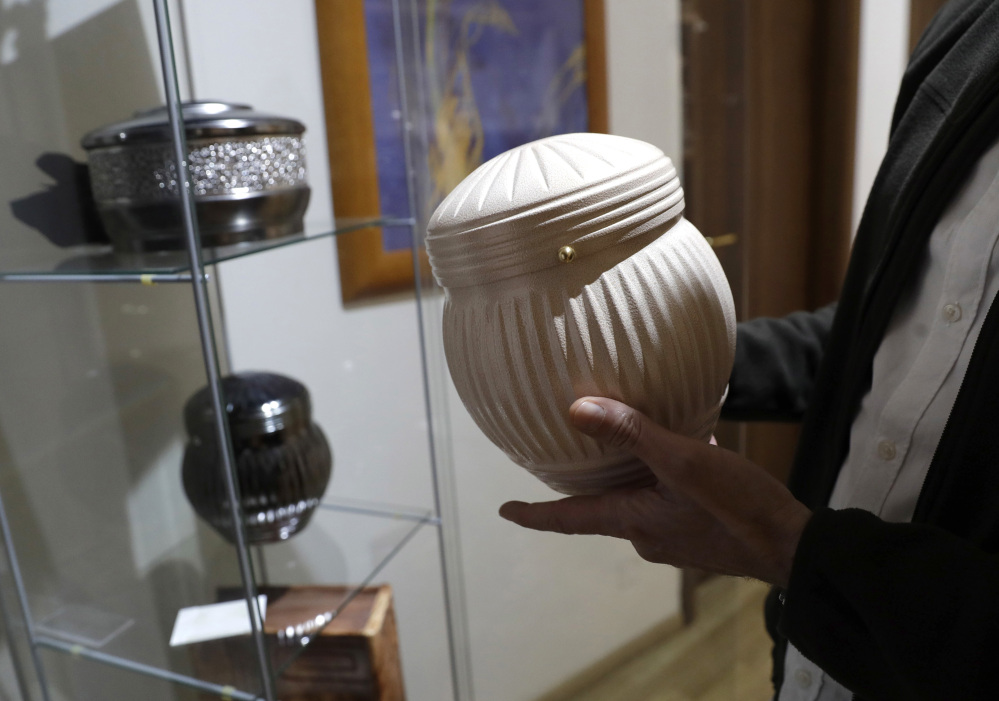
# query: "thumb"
616 424
706 474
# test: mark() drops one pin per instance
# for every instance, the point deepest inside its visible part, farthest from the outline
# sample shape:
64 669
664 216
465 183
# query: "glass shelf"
103 264
95 374
390 511
377 532
410 520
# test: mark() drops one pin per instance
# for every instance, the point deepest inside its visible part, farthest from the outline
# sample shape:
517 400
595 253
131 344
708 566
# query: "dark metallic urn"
283 461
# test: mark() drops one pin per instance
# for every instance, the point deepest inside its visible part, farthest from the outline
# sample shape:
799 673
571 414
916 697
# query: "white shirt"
917 372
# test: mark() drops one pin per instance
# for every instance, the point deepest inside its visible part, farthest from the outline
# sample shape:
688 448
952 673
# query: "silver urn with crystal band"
247 170
569 270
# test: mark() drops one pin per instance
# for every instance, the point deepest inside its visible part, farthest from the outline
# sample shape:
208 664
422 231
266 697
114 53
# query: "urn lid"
257 403
549 202
203 119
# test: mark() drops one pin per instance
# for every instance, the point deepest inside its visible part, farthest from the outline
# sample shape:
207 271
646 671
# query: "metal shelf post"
210 352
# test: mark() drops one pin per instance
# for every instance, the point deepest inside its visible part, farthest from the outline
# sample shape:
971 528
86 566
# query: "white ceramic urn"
569 270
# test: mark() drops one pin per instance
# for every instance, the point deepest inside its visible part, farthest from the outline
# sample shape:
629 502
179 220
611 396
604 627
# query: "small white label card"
195 624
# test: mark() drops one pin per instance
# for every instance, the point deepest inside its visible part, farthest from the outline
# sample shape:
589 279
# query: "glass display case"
104 344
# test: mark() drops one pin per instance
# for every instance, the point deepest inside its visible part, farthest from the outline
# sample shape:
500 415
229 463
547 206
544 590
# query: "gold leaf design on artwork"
456 147
570 77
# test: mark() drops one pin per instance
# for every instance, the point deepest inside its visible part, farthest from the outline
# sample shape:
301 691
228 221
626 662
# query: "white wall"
541 607
644 80
884 50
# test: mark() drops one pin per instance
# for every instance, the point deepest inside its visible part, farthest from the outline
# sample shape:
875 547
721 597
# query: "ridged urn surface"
569 270
283 461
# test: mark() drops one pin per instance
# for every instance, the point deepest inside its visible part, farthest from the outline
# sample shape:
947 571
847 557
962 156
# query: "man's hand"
711 509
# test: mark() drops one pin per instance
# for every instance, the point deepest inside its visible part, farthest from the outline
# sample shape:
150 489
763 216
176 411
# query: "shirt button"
886 450
803 677
951 312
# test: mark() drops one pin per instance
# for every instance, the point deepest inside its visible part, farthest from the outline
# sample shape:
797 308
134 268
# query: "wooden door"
770 105
769 118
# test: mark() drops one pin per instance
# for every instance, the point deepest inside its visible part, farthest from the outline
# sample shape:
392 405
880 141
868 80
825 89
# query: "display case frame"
194 267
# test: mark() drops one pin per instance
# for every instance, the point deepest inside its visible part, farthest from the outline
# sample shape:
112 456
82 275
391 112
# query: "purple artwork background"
510 76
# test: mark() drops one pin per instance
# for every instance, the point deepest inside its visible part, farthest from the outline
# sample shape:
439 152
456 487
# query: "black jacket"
895 611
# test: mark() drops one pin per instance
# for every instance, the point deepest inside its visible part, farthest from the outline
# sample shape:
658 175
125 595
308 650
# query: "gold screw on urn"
567 254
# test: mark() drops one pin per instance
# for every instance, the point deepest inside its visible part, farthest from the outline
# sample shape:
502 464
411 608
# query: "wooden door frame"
785 178
920 14
770 125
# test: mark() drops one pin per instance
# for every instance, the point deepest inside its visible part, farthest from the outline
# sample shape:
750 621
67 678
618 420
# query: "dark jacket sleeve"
895 611
776 361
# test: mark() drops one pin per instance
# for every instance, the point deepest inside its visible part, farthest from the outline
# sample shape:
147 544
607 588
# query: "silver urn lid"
202 119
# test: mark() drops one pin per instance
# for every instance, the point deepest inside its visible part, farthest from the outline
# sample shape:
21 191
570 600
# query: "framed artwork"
498 73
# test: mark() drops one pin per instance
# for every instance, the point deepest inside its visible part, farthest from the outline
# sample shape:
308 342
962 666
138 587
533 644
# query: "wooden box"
354 658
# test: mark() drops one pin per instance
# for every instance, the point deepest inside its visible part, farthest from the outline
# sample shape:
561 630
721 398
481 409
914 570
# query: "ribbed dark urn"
283 461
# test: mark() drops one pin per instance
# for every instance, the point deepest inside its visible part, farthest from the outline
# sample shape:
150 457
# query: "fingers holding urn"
711 508
580 515
611 422
620 426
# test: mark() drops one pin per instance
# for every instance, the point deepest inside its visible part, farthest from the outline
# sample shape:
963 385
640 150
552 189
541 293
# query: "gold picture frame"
367 268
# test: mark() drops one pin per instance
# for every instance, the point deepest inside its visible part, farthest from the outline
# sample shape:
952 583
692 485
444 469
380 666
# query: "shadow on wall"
54 91
64 213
